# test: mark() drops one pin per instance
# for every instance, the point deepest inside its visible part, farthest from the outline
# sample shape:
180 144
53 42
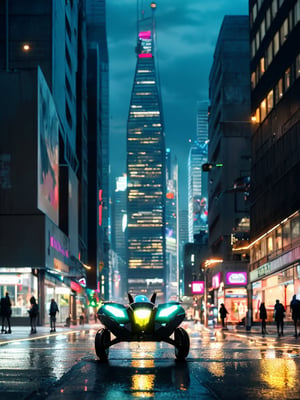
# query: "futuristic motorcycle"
141 320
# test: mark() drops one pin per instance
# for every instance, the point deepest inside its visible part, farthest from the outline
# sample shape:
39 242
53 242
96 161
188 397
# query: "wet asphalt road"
219 366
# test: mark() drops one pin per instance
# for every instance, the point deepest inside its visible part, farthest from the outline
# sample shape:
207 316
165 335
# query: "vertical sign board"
48 146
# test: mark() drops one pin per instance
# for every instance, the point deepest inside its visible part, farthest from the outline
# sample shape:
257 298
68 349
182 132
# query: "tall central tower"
146 169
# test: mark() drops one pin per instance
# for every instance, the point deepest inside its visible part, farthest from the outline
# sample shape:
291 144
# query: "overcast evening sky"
186 35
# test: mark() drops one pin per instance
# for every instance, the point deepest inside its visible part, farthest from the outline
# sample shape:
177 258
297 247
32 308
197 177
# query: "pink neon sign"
198 287
145 35
216 279
236 278
58 247
145 55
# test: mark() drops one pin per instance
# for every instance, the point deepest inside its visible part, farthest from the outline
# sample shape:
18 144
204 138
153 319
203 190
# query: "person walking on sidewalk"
53 310
223 314
263 317
279 314
6 313
33 313
295 309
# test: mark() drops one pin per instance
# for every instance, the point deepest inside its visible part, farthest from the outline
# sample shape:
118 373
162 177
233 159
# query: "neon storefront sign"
198 287
236 278
58 247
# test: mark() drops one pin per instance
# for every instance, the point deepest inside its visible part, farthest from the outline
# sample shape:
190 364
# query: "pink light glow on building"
145 55
145 35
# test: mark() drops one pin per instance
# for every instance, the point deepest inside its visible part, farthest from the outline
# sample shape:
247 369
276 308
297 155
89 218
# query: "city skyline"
186 38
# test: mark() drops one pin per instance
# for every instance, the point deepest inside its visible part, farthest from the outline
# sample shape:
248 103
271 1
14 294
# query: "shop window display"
21 287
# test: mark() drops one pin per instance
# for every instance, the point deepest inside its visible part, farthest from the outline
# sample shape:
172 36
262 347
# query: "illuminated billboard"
48 174
144 48
236 278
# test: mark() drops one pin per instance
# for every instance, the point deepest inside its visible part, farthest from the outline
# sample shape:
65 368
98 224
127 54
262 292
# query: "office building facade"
229 153
275 198
39 252
98 147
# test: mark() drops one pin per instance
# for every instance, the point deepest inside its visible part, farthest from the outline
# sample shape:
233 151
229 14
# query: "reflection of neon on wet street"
279 373
142 385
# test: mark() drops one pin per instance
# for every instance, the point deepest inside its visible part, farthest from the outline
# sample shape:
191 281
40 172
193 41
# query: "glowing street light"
209 263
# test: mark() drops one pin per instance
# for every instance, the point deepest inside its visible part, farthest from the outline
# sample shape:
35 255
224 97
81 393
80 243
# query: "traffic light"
207 167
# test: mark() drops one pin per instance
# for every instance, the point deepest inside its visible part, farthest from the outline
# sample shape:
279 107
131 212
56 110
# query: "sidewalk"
23 332
254 333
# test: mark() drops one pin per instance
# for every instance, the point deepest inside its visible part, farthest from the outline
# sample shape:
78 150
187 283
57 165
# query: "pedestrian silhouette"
6 314
263 317
295 309
52 312
279 314
223 314
33 313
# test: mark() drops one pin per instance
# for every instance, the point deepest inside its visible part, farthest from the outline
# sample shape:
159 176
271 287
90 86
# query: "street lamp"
209 263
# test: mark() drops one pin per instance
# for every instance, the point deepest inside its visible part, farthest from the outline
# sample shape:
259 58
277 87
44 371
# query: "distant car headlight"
142 317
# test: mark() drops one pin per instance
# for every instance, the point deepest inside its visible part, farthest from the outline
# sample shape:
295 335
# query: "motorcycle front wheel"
102 341
182 343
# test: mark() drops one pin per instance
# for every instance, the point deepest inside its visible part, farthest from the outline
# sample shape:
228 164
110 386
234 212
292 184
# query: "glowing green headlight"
166 312
116 312
142 317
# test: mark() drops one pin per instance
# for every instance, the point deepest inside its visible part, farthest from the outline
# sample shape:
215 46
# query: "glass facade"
146 176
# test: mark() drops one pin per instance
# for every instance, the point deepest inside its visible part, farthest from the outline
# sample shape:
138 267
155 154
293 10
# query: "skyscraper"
146 169
197 181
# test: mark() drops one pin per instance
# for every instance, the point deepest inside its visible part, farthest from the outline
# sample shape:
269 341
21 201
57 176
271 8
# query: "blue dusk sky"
186 35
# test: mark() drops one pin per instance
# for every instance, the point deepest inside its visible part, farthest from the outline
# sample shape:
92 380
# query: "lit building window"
270 244
278 91
262 66
298 66
287 78
270 101
297 12
253 80
254 12
276 43
257 116
284 31
274 8
263 109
